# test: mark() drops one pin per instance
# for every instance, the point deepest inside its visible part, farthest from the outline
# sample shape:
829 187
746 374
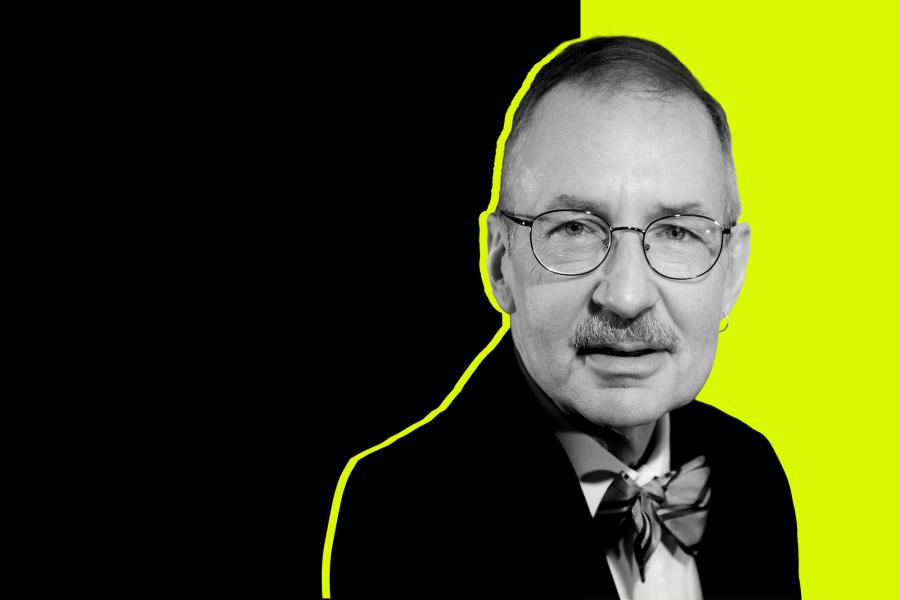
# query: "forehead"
626 152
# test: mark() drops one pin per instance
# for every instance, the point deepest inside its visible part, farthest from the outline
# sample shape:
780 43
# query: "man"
575 462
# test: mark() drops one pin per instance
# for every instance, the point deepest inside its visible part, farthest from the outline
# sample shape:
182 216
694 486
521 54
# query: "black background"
273 221
383 254
331 296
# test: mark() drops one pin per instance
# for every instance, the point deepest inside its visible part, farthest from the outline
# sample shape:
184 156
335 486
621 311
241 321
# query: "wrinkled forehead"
627 151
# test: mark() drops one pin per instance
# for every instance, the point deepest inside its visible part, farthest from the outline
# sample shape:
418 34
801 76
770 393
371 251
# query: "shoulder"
700 414
708 430
451 444
459 459
739 455
747 474
492 411
402 502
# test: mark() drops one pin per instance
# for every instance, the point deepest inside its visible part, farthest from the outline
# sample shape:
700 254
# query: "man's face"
631 158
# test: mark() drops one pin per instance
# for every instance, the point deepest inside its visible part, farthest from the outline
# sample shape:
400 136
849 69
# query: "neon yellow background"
811 96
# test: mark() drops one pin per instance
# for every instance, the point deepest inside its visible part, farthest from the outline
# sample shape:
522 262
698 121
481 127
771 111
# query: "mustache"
606 328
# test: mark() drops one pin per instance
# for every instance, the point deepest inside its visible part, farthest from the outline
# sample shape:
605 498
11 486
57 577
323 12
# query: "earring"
722 329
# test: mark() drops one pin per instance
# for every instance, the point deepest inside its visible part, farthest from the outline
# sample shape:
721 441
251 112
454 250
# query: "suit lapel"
551 512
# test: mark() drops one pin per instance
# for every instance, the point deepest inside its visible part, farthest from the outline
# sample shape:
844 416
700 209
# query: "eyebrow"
577 203
598 207
685 208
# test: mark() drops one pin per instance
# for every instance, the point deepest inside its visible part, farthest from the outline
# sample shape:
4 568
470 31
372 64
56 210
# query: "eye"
570 227
675 233
574 228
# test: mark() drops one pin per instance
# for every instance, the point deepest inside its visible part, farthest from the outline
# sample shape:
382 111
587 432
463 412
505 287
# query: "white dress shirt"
669 575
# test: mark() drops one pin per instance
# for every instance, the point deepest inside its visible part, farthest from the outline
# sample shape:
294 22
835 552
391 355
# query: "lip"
617 361
621 349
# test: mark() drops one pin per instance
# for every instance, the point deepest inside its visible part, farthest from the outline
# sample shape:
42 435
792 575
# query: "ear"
497 250
738 249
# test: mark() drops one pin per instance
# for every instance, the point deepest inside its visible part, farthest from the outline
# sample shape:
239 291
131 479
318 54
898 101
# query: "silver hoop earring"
722 329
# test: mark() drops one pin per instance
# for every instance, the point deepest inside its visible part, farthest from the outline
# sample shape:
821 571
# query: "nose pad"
626 285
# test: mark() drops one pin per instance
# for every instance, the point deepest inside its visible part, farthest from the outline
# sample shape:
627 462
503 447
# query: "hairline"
613 86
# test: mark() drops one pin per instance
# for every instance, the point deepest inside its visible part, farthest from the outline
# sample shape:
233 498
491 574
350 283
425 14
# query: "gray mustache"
606 328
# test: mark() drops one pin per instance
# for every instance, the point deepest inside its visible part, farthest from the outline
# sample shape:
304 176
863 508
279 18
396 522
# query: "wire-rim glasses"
575 242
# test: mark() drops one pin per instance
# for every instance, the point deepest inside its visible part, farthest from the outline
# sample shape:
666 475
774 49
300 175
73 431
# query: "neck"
628 444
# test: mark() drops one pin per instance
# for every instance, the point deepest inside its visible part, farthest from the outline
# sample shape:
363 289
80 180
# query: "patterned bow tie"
675 505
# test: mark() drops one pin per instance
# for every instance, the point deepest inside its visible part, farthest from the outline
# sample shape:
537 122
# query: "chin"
624 407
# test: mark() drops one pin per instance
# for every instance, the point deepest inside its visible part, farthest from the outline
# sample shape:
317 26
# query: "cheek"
550 312
547 309
697 316
542 300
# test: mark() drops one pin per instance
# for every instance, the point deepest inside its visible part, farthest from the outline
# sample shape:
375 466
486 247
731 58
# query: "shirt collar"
592 461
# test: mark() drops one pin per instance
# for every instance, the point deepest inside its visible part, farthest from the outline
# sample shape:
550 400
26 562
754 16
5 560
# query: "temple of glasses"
575 242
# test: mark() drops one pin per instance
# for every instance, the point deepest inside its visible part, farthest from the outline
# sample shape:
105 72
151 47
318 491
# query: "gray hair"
613 64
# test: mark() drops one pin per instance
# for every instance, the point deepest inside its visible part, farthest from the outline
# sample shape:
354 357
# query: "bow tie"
674 505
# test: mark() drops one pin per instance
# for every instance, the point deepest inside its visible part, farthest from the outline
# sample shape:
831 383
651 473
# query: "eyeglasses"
575 242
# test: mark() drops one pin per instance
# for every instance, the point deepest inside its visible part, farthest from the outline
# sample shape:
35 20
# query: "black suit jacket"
483 501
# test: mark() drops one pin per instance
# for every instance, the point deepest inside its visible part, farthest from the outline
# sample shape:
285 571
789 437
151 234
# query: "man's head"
617 127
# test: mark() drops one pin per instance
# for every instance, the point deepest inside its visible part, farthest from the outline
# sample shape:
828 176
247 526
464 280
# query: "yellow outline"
504 327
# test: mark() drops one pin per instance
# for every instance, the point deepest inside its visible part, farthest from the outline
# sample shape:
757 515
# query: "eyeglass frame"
530 222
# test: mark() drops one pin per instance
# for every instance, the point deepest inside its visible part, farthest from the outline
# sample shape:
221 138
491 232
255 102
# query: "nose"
626 283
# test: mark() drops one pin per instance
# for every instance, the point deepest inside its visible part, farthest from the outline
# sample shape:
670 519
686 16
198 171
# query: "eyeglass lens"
574 242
